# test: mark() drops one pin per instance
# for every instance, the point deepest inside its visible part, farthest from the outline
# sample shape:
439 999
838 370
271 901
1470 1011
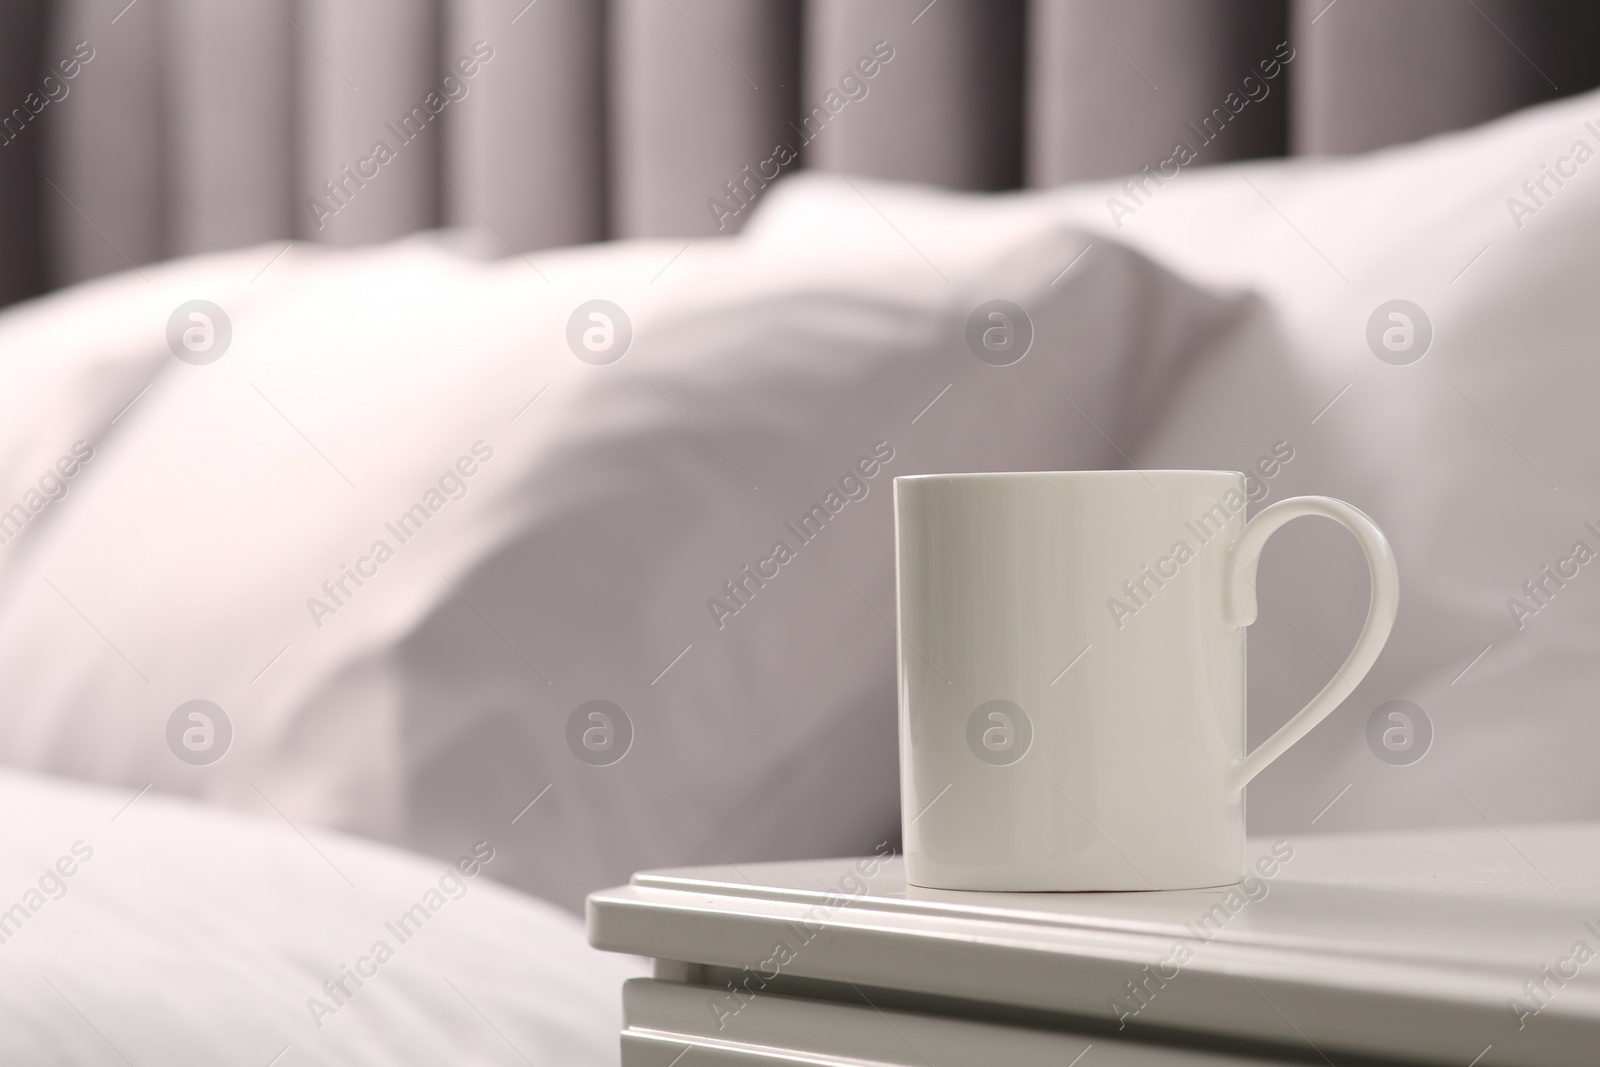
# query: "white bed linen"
194 554
173 933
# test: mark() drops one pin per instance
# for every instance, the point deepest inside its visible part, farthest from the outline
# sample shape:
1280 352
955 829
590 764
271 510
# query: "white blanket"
138 928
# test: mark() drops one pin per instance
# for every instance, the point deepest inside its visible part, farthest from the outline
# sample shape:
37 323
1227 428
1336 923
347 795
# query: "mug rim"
1092 474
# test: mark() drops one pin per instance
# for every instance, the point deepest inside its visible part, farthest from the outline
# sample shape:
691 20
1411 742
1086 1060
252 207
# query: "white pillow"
583 562
1480 459
1458 456
143 929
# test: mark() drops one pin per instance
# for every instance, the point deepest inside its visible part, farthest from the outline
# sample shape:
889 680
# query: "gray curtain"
1376 72
525 158
703 91
104 197
945 109
202 125
22 46
373 62
1161 69
236 74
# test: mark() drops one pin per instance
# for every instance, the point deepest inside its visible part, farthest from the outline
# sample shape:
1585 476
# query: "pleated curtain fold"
199 125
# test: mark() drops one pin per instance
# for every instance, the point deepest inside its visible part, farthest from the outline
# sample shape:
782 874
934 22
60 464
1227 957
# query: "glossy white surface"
1408 947
667 1019
1072 706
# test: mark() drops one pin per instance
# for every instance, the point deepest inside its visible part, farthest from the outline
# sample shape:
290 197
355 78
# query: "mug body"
1071 696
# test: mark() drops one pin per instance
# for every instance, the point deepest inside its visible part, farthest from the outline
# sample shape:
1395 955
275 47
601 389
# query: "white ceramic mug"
1072 674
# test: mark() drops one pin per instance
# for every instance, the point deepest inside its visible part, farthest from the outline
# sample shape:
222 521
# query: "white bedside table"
1456 947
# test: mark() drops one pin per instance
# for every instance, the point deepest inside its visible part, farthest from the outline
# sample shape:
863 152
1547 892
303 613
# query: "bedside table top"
1435 946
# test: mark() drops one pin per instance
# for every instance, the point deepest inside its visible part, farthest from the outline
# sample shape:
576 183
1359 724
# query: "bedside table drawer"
668 1023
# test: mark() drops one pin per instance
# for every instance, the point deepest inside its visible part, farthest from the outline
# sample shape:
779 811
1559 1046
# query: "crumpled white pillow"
1480 458
449 694
145 929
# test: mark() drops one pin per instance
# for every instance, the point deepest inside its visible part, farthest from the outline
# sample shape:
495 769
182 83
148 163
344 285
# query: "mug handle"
1240 610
